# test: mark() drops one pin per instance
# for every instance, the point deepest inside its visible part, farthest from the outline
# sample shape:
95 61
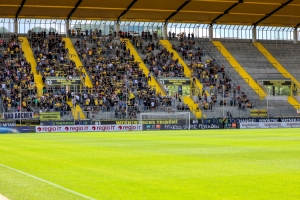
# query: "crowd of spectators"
15 76
213 77
51 55
52 60
163 64
117 80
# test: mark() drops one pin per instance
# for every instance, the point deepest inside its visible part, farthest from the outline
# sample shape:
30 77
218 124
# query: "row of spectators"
181 36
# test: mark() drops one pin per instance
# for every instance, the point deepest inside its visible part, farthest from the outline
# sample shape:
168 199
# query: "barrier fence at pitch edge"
134 125
269 125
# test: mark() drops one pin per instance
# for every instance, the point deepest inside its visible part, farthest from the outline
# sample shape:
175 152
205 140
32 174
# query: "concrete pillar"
117 29
16 28
254 38
67 29
295 36
211 33
165 32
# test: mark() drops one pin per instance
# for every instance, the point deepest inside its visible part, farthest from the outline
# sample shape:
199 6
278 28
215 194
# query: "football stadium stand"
115 63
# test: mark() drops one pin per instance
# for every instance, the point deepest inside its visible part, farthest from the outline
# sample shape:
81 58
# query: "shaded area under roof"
245 12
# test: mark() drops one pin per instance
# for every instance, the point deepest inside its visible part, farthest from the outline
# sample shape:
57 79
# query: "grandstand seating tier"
234 63
280 69
153 82
187 71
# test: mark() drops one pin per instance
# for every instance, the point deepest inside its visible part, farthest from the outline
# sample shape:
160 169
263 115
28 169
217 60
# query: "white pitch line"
3 197
48 182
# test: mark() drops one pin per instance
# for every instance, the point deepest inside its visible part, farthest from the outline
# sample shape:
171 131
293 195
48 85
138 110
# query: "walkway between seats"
74 56
30 58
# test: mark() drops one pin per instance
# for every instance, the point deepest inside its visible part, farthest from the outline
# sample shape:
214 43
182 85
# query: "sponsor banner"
52 81
18 115
88 128
65 123
276 82
137 122
169 81
249 120
17 129
26 122
270 125
50 116
208 126
195 121
153 127
5 124
194 126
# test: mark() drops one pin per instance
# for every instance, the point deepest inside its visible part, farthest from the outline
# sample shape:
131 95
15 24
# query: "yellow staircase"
142 65
187 72
193 107
281 69
234 63
30 58
76 110
74 56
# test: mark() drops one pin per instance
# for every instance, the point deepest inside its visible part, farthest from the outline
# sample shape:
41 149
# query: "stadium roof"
244 12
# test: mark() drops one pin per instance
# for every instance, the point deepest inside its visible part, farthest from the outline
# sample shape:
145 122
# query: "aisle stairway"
30 58
243 73
74 56
277 65
142 66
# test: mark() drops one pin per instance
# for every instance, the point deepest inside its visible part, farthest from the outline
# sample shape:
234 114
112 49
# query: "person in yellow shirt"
24 104
96 102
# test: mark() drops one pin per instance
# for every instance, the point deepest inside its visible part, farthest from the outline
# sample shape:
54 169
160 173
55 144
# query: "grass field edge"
47 182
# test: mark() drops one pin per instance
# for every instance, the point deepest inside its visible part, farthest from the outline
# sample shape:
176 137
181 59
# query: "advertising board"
194 126
50 116
18 115
270 125
65 123
88 128
17 129
5 124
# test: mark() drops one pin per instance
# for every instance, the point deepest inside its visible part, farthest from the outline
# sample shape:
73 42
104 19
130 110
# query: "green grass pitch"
166 165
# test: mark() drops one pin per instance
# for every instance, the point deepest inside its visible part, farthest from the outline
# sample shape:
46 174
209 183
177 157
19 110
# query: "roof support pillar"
165 32
254 34
211 33
16 28
117 28
68 30
295 36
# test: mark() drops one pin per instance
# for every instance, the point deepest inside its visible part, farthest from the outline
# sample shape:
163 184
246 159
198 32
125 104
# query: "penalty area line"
48 182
